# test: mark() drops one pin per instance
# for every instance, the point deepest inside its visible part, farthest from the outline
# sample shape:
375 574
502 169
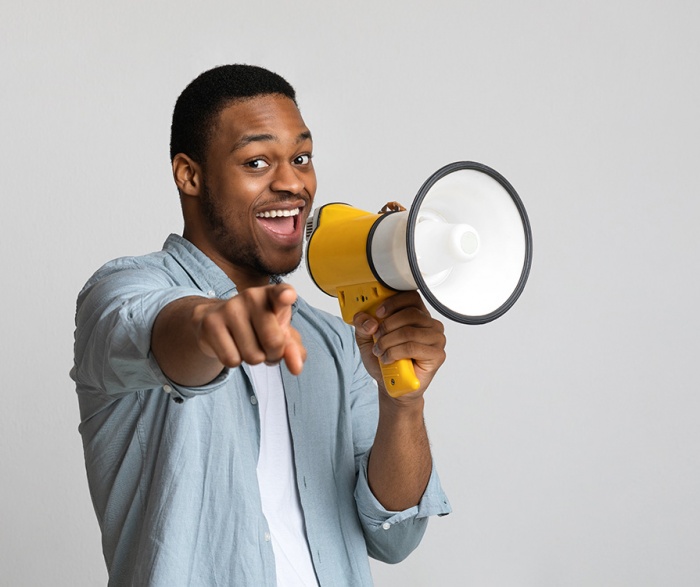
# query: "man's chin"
287 270
283 267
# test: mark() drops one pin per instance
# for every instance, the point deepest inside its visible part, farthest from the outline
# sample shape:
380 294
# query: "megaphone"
465 244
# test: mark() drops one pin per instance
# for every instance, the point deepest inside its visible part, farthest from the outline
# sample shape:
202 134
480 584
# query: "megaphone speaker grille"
469 242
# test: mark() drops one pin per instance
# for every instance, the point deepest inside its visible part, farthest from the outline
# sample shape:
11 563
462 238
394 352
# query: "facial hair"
237 250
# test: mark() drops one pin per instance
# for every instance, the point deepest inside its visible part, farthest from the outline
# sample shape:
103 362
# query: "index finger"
281 297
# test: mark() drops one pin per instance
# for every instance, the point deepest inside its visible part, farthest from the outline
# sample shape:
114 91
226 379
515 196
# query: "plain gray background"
567 433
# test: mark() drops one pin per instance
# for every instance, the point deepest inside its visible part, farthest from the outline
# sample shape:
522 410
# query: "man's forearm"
400 462
174 345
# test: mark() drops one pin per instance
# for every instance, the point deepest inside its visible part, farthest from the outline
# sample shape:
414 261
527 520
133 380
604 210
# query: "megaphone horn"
465 244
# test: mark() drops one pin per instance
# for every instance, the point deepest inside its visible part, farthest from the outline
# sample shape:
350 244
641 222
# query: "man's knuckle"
230 358
209 323
253 356
272 340
411 348
274 356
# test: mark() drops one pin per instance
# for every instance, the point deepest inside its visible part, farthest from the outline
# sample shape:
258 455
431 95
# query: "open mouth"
283 222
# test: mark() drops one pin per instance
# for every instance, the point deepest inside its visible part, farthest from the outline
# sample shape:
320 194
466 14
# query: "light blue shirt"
172 469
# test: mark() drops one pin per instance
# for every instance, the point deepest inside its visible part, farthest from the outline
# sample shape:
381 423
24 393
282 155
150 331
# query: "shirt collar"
208 276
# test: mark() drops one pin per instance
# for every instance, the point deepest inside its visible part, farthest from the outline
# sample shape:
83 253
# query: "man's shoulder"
152 270
150 263
157 260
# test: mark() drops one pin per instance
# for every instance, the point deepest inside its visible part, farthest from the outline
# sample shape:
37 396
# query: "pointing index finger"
281 296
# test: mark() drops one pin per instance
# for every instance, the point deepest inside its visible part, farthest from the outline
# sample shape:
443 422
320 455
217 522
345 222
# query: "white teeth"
278 213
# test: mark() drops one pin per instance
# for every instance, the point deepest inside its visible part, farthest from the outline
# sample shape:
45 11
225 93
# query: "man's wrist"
402 407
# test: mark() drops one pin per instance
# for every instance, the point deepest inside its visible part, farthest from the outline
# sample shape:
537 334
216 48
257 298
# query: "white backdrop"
567 433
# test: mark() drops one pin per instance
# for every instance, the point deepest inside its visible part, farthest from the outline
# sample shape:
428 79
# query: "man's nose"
287 179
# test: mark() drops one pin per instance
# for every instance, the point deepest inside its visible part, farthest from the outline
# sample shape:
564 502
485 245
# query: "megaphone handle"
399 377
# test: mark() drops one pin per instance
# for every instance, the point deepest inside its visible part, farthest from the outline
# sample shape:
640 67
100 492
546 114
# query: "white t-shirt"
277 481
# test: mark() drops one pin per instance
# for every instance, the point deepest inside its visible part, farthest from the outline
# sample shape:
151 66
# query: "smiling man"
233 434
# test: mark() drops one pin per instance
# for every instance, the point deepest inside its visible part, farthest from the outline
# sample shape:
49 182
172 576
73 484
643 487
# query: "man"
232 434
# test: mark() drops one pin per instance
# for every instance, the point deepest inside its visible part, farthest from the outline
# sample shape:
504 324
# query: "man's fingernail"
381 310
375 351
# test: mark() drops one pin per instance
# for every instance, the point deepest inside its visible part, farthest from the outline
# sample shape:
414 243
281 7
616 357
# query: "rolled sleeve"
180 392
391 536
114 322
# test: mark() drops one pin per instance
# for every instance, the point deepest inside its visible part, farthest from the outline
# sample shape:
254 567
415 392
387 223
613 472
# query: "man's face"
258 187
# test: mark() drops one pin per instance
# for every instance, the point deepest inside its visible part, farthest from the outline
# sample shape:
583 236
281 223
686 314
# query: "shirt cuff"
433 503
180 393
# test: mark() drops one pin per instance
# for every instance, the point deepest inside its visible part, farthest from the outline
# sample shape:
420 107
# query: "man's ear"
187 174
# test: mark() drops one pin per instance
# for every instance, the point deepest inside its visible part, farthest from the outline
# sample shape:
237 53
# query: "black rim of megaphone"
413 259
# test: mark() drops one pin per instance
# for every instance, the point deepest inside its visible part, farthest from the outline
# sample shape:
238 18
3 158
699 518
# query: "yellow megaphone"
465 244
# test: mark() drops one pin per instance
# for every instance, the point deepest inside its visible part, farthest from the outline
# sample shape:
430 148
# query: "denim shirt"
172 469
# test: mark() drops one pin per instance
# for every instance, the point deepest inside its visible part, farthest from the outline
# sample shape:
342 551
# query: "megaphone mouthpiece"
440 244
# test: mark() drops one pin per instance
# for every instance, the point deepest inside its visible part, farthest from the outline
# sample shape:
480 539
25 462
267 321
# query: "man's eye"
257 164
302 160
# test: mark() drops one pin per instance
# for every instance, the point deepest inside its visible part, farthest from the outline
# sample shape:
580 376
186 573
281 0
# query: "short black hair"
208 94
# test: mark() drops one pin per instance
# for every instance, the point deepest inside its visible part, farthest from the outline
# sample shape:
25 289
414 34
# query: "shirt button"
386 525
253 400
211 293
267 537
167 388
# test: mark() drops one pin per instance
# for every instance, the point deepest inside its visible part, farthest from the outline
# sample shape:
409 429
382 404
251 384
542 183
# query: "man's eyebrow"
247 139
306 135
